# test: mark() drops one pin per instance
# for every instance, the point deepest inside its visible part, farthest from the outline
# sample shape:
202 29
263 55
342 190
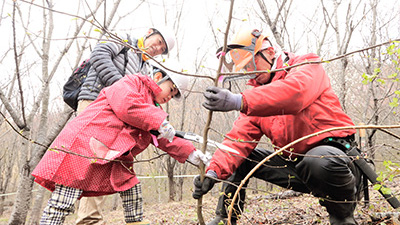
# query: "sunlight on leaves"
392 76
377 186
98 30
394 103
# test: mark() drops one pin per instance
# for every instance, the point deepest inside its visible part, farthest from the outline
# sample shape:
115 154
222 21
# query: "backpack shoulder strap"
126 49
125 52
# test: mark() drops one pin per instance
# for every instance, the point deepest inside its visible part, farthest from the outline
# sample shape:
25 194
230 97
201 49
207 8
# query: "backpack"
74 83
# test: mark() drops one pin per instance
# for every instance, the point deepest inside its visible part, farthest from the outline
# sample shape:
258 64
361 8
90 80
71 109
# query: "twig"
74 153
390 133
23 126
210 113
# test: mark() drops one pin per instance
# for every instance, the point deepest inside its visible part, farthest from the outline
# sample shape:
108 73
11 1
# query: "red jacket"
295 104
120 118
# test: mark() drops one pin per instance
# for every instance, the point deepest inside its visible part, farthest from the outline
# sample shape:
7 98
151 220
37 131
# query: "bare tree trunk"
21 204
29 162
169 167
36 211
180 182
342 43
273 23
170 173
23 199
342 82
371 88
2 199
341 71
25 183
7 160
42 133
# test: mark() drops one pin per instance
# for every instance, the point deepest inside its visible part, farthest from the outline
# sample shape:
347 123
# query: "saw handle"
372 176
178 133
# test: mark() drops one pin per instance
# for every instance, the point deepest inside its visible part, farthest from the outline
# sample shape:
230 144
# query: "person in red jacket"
101 144
284 106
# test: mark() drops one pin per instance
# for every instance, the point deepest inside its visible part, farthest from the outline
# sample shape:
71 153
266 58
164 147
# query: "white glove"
198 156
166 131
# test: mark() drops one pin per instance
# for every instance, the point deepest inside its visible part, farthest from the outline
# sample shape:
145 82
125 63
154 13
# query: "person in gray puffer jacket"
108 66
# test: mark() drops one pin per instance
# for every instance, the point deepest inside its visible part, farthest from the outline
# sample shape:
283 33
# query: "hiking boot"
144 222
342 221
218 219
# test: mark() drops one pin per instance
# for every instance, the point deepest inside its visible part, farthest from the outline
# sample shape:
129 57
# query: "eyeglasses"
251 66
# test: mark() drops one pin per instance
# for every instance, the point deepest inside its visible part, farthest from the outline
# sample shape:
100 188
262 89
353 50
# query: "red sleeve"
290 95
179 148
244 129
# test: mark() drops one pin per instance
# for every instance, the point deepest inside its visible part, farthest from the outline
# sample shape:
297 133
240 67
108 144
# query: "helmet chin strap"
270 63
265 58
166 77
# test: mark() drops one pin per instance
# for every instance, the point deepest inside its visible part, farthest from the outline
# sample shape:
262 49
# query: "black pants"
331 177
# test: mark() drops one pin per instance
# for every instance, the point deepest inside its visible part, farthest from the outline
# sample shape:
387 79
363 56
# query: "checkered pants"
132 202
62 201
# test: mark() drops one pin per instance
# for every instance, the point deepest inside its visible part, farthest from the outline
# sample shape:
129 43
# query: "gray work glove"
201 188
220 99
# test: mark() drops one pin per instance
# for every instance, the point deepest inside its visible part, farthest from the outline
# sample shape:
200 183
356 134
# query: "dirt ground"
261 208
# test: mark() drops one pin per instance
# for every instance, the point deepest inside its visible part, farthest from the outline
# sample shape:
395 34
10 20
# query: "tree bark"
29 161
36 211
24 192
372 86
171 183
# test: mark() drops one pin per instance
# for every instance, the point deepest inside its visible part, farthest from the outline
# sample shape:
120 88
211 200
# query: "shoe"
342 221
219 220
144 222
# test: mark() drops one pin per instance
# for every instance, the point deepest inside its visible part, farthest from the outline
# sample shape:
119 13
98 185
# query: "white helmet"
169 37
181 81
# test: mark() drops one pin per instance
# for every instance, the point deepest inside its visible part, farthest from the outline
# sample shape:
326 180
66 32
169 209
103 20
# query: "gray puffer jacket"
108 66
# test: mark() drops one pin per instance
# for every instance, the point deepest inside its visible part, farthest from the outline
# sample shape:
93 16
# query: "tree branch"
23 125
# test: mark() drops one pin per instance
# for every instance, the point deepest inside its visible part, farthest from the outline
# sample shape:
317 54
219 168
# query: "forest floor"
303 209
278 208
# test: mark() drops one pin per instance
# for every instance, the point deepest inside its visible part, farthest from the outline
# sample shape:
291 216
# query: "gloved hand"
198 155
166 131
220 99
201 188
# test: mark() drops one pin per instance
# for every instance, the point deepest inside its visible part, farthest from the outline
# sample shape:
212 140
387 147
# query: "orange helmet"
246 44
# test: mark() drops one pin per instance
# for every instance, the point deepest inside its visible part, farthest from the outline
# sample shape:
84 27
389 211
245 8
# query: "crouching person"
115 128
284 106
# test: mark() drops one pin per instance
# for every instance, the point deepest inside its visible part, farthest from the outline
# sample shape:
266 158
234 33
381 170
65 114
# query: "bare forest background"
43 40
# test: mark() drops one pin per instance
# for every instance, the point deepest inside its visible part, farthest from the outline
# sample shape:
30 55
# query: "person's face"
168 90
262 64
154 44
